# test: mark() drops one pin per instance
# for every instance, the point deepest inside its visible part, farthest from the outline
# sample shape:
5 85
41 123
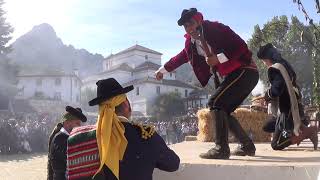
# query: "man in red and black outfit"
212 47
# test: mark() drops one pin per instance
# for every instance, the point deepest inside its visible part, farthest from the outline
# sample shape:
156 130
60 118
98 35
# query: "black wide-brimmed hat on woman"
108 88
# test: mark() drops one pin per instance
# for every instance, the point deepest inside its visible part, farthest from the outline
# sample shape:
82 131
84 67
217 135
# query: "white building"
51 85
197 99
136 66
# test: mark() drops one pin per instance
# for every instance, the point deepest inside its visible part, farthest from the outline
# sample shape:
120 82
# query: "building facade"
136 66
197 99
56 86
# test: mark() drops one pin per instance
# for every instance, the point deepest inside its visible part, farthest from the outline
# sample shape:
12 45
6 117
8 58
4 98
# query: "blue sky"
105 26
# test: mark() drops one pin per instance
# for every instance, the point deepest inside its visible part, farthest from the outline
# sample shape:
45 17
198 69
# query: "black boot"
221 149
246 147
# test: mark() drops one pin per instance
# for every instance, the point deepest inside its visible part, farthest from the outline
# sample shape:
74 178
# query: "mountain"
43 48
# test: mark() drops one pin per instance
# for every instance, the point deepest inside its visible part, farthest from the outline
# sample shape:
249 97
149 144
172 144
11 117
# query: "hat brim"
76 113
100 99
186 17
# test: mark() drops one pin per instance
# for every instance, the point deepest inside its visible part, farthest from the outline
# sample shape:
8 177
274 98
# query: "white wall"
132 58
148 93
150 73
264 171
89 84
170 76
121 76
144 74
69 87
138 102
166 89
141 57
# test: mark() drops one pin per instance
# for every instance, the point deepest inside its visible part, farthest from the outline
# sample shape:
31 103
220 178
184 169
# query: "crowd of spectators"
175 130
29 132
25 132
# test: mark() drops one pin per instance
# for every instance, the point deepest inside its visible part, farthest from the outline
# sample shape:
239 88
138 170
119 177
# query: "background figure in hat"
213 48
56 129
57 156
284 88
127 150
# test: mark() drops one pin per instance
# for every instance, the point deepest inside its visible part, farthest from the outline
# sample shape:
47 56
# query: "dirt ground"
23 167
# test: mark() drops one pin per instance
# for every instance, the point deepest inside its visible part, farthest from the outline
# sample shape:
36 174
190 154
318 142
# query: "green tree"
167 106
8 71
286 36
5 32
313 39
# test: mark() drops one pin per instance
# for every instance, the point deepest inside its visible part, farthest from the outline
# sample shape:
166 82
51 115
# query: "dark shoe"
249 150
216 153
221 149
246 147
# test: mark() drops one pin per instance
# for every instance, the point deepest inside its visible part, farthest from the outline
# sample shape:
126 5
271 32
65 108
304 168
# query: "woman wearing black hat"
212 48
57 156
288 128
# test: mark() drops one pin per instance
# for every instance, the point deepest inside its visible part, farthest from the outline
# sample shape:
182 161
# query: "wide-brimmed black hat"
186 15
108 88
76 112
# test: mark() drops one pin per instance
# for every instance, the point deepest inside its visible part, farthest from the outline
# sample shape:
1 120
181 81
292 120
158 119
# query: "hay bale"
249 120
253 121
206 126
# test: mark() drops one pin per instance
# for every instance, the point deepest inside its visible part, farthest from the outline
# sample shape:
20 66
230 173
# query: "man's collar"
192 40
64 131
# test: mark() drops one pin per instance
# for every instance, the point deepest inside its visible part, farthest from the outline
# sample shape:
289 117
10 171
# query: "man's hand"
212 60
159 75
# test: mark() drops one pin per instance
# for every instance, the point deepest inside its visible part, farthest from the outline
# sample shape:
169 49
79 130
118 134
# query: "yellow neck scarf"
110 135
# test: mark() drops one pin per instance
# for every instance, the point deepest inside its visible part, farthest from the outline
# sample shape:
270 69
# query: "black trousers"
234 90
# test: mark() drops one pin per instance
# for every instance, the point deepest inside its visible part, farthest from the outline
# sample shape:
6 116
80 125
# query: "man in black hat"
211 48
57 156
56 129
126 150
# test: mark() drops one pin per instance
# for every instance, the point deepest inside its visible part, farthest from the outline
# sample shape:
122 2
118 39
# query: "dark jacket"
279 90
222 40
143 156
58 156
52 135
